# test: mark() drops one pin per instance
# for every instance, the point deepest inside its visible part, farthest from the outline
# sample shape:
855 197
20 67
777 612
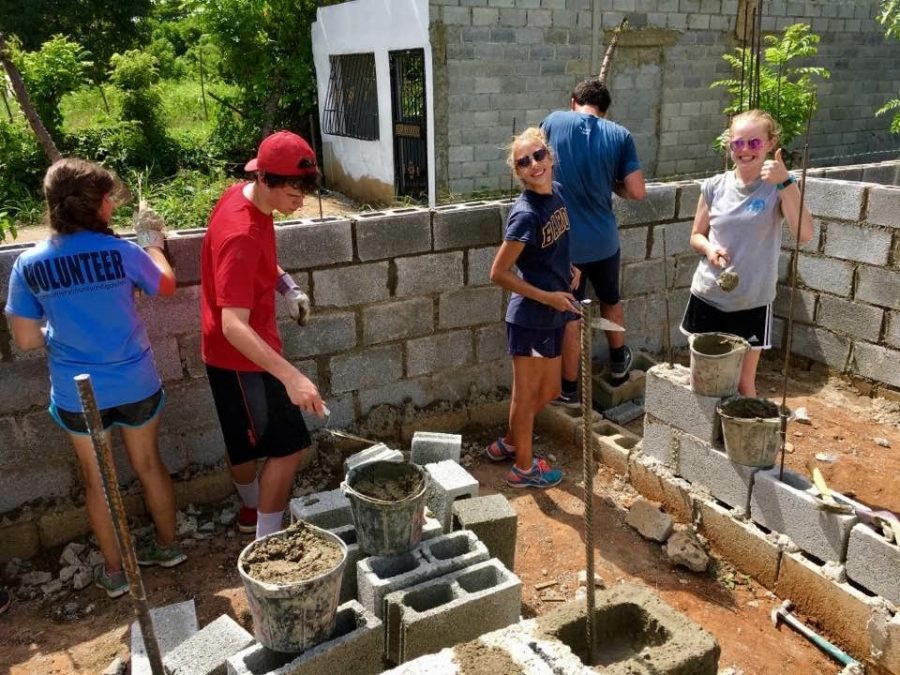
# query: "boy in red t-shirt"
258 394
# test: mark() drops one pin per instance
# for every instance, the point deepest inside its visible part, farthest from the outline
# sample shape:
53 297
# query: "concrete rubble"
649 521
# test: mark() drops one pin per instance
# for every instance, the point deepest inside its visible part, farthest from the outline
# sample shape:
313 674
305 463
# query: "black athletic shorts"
604 278
754 325
257 417
132 415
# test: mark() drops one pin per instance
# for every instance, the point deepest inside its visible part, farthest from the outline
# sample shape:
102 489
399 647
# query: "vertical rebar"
312 138
511 178
587 410
668 328
120 520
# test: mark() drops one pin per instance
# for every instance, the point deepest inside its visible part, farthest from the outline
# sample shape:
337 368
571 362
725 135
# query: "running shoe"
246 520
619 368
541 475
164 556
115 584
498 451
568 400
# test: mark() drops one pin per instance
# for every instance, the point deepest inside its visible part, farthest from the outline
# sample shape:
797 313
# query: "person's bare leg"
529 375
616 314
276 480
242 473
142 446
747 385
571 350
95 502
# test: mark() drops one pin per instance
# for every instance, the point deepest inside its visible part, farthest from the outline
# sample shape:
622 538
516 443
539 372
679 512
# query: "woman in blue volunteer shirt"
81 282
536 242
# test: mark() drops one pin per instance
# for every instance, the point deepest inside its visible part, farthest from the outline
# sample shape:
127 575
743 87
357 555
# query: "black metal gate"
409 121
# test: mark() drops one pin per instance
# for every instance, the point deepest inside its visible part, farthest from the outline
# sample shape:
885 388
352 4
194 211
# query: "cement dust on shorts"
300 554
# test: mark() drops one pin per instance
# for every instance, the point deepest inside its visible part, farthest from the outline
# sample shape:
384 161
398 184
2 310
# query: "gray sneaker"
164 556
619 368
115 584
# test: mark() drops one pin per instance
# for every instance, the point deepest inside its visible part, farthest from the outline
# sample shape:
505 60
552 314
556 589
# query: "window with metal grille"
351 108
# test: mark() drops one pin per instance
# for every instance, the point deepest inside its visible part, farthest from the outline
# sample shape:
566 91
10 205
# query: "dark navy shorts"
540 342
132 415
604 278
754 324
256 415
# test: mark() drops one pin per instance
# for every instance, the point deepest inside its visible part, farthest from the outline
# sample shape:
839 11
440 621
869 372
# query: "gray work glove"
297 300
148 226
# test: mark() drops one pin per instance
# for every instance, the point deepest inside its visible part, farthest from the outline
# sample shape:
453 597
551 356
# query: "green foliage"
22 166
786 92
889 17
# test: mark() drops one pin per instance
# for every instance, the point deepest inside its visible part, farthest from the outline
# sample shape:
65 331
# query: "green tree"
889 17
786 91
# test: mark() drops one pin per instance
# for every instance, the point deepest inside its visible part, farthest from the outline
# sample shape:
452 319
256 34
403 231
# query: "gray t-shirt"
746 222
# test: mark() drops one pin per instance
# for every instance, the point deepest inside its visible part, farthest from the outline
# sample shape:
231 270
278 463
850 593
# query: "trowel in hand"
728 279
600 322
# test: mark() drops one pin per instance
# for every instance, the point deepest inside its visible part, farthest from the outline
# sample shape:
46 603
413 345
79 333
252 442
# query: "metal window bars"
351 106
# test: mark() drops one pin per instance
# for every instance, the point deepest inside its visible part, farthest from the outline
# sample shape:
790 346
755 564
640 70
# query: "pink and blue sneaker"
541 475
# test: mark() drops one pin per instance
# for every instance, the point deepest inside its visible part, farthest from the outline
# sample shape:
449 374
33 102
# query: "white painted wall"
376 26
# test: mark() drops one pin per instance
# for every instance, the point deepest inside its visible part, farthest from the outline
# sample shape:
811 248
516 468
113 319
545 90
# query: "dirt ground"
35 639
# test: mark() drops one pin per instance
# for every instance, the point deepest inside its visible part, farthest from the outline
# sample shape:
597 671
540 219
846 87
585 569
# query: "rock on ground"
684 549
651 523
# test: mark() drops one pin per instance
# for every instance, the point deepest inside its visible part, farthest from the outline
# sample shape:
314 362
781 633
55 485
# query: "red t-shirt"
238 268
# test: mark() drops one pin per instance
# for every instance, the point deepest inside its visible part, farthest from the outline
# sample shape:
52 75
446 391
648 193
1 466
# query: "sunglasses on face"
538 155
738 144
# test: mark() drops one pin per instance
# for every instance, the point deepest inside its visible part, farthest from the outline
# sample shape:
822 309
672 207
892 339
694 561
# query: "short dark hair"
592 92
307 182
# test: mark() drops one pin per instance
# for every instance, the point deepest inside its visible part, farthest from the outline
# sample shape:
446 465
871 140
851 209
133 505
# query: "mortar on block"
716 363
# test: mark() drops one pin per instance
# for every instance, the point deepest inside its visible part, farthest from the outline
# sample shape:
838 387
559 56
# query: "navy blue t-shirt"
542 224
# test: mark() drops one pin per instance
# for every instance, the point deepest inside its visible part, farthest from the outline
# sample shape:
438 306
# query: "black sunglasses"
538 155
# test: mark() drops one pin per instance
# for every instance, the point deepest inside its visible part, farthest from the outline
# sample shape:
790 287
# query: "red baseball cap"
285 154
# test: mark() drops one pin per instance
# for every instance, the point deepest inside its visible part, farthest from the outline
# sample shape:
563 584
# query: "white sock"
248 492
267 523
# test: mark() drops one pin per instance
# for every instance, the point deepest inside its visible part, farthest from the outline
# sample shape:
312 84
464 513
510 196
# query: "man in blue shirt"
594 159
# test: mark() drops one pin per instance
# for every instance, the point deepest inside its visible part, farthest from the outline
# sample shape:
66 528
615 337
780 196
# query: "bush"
22 167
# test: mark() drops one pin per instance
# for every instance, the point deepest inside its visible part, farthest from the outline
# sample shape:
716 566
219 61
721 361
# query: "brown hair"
74 189
761 116
531 134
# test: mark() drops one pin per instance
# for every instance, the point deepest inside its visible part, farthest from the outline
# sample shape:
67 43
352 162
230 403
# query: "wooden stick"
610 50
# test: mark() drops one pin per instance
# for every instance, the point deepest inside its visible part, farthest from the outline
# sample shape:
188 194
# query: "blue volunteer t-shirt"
591 155
542 224
83 284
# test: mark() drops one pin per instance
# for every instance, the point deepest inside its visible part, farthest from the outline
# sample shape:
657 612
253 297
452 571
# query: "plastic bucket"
716 363
750 427
294 617
387 527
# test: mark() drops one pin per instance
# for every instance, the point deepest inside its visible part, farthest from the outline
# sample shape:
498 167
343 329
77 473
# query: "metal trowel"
600 322
728 279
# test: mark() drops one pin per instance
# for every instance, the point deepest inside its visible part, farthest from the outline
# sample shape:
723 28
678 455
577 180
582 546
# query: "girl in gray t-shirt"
738 223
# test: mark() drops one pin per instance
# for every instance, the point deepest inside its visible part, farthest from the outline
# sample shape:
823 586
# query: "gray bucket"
750 427
294 617
387 527
716 363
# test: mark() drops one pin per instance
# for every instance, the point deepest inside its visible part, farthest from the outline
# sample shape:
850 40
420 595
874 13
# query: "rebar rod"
587 410
667 332
312 138
120 520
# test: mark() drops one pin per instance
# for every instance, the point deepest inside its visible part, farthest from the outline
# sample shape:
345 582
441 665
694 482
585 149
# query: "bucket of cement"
716 363
750 427
293 583
387 500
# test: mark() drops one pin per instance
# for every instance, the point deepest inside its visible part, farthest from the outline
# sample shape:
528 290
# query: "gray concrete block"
878 286
478 265
861 244
702 464
789 508
789 241
370 368
642 277
892 335
855 319
449 483
651 523
804 304
878 363
658 441
416 392
688 197
884 173
825 274
608 393
354 647
32 385
451 609
429 447
490 343
438 352
494 521
375 453
22 484
873 562
659 204
377 576
465 226
820 345
426 274
174 315
470 306
624 412
397 320
167 356
184 251
351 285
633 243
328 510
669 399
884 206
173 624
837 199
305 244
393 233
678 241
205 652
324 334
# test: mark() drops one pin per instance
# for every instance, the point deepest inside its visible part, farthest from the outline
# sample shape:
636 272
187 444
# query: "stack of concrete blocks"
429 447
494 522
207 650
173 624
448 483
355 647
379 575
376 453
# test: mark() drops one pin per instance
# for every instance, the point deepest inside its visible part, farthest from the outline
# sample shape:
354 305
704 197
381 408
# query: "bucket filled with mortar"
387 500
716 363
750 428
293 583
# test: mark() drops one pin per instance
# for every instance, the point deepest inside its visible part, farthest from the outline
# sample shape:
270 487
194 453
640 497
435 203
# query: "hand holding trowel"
600 322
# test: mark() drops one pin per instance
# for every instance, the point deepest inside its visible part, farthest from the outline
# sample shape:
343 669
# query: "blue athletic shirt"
542 224
591 155
83 284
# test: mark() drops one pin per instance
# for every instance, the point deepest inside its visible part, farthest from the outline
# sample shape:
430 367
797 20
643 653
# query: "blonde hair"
530 135
760 116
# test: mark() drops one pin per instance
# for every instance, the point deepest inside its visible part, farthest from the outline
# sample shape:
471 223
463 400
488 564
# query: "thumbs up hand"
773 170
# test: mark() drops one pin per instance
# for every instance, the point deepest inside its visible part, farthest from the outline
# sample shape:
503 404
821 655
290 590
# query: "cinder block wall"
505 63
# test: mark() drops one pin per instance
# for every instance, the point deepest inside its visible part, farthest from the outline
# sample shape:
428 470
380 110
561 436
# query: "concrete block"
184 251
205 652
702 464
490 343
20 540
494 522
393 233
892 336
354 647
874 563
451 609
351 285
657 483
658 441
659 204
851 318
173 624
688 197
305 244
426 274
328 510
789 508
22 484
607 392
883 173
611 443
878 286
174 315
837 199
624 412
884 206
375 453
470 306
32 385
429 447
478 267
366 369
633 243
449 483
465 226
854 242
821 345
670 400
562 422
649 521
878 363
377 576
438 352
397 320
789 241
804 303
825 274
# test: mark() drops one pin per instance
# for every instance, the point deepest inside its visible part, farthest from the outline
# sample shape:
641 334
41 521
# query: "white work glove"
148 226
297 300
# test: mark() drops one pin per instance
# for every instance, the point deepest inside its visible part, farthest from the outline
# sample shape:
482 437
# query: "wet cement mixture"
301 554
477 658
750 408
389 486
